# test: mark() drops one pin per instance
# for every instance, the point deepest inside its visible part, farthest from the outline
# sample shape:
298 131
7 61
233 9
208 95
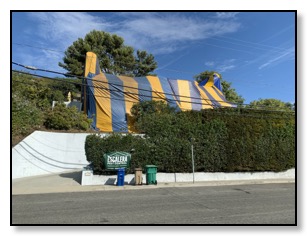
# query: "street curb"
80 188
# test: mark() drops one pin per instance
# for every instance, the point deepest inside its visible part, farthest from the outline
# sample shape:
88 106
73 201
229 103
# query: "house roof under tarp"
109 98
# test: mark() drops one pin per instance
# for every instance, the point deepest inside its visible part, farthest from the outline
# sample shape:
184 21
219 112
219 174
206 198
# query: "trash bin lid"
138 169
151 166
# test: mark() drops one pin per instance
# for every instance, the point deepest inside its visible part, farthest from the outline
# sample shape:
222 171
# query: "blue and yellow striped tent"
109 98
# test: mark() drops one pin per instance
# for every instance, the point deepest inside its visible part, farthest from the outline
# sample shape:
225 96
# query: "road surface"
239 204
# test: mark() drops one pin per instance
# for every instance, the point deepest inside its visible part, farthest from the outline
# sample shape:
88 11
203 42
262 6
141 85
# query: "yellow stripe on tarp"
210 81
223 98
90 63
103 103
131 97
219 91
131 94
184 90
157 91
206 103
90 67
217 97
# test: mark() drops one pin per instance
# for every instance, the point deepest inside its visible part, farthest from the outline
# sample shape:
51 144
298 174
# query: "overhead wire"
86 94
147 90
103 88
78 54
126 86
131 64
130 93
260 116
177 95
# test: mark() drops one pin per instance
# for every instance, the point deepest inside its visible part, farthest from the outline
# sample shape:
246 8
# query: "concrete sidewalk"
71 182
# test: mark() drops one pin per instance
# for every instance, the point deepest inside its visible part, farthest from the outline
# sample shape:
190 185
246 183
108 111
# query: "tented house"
108 98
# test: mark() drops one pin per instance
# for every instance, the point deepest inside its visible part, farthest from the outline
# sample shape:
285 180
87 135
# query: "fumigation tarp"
109 98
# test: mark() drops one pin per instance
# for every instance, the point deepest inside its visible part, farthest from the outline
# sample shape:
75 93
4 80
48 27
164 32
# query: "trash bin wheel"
156 182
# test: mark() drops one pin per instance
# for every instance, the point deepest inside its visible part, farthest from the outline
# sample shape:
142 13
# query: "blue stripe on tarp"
91 101
214 102
90 75
202 83
97 67
168 91
220 96
143 83
195 97
217 82
118 107
174 86
223 98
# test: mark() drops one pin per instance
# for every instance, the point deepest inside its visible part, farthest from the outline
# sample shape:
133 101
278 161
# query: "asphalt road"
240 204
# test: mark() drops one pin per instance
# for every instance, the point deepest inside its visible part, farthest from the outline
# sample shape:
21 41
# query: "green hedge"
258 140
224 140
96 146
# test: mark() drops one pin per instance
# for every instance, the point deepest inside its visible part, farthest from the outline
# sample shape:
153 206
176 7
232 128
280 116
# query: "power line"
126 86
260 116
88 95
171 94
113 90
130 93
120 63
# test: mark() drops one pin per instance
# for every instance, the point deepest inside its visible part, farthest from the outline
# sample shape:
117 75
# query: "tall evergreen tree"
114 56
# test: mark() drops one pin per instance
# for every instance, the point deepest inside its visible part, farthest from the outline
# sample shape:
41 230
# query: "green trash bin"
151 172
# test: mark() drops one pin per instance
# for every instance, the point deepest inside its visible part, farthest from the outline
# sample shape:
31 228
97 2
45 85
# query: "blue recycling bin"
120 177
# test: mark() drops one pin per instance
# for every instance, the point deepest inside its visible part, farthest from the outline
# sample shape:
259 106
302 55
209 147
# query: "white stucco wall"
48 152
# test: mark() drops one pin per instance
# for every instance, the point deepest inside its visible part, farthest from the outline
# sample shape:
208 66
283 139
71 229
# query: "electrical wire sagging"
130 93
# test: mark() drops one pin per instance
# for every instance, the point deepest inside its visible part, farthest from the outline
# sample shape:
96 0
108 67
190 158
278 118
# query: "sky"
254 51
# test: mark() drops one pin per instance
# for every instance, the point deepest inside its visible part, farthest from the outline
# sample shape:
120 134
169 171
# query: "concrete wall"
89 179
48 152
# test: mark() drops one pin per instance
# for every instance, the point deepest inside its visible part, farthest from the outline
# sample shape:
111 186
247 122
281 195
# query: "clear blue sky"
255 51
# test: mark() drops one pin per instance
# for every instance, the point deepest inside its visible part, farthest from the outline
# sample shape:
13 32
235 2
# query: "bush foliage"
31 106
225 140
66 118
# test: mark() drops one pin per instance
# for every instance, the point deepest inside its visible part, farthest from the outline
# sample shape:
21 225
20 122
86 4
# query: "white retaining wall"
48 152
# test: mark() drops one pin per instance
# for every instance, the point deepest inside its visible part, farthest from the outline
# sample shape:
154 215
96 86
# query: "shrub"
65 118
25 117
31 100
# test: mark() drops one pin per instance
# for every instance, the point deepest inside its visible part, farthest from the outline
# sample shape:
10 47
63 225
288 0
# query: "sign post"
193 163
192 140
